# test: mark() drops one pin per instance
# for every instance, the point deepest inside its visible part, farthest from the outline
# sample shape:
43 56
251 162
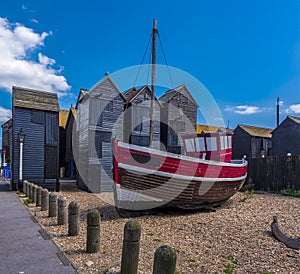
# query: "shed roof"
63 116
169 94
7 124
205 128
257 131
295 119
35 99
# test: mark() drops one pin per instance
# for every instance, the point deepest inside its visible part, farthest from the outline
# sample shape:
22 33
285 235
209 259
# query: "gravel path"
235 237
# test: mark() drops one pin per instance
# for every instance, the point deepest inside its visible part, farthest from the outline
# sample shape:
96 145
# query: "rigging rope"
142 61
163 52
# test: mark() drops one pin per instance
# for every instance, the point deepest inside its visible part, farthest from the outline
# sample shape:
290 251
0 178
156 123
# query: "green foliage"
229 268
192 260
290 192
177 250
265 272
157 240
247 195
150 234
105 271
27 201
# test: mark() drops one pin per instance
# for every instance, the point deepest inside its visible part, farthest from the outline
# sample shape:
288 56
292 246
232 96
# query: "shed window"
37 117
140 140
109 106
211 143
172 140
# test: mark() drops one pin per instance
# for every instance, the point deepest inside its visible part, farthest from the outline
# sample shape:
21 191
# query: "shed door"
51 161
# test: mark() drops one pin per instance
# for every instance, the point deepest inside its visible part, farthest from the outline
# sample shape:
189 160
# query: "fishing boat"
147 178
203 175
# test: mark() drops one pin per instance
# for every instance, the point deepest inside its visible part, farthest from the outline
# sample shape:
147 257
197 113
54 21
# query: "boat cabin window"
200 144
211 143
190 146
225 142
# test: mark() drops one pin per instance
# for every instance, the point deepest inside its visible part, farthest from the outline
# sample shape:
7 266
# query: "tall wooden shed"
251 141
36 114
63 115
99 117
6 132
178 116
69 157
137 117
286 137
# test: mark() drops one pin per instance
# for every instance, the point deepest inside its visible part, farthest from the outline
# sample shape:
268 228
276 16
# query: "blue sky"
246 53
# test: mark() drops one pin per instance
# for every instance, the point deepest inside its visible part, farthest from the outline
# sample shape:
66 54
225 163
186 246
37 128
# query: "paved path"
22 247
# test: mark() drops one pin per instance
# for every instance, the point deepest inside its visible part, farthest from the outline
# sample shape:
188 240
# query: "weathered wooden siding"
273 174
62 147
286 138
5 142
40 150
34 153
99 116
140 119
69 158
180 116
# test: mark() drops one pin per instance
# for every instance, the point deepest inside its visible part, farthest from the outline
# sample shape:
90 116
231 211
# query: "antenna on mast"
154 33
277 112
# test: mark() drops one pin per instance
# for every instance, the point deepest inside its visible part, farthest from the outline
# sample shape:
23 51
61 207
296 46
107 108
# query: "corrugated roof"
169 94
63 116
295 119
35 99
257 131
205 128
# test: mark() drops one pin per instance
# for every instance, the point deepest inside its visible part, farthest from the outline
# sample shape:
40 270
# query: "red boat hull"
151 178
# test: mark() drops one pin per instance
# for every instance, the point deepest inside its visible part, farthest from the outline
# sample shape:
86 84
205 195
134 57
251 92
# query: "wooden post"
93 231
39 196
154 32
30 190
62 217
131 247
25 187
34 190
45 199
74 224
164 260
52 205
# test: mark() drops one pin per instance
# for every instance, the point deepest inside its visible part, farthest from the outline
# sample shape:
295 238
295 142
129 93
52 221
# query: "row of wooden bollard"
164 257
55 207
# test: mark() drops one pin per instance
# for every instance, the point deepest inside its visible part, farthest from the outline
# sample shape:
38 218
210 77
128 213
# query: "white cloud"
293 109
34 21
46 60
244 109
17 67
5 114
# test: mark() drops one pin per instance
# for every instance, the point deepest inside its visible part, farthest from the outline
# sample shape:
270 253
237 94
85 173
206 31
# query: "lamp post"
21 136
4 160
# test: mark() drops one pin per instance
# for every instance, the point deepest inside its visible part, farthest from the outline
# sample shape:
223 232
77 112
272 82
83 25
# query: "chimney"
277 112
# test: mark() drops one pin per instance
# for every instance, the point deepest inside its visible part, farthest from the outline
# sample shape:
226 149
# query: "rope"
142 60
163 52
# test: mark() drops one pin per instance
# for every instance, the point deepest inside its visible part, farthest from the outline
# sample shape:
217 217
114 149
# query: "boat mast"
154 32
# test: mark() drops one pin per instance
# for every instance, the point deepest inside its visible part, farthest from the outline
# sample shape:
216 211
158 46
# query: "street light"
4 160
21 136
